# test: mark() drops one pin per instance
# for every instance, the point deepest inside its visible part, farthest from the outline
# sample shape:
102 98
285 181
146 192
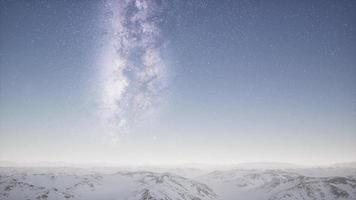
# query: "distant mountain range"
247 182
247 165
280 184
346 164
122 185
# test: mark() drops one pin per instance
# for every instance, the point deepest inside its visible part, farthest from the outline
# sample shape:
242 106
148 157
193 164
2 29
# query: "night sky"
151 82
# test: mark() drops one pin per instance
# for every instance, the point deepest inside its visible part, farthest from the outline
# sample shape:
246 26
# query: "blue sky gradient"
248 81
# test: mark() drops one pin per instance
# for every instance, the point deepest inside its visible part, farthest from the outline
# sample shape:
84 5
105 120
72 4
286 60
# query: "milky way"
133 70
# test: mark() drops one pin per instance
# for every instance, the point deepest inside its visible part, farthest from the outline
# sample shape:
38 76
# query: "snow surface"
31 183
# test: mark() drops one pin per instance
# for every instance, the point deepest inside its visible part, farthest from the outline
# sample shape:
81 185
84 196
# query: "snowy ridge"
234 184
319 188
121 185
279 185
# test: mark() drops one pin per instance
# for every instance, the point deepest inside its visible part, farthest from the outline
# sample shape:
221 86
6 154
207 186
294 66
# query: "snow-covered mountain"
280 185
319 188
31 183
122 185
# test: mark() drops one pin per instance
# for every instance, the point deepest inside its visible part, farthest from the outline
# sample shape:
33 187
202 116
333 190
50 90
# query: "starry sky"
170 82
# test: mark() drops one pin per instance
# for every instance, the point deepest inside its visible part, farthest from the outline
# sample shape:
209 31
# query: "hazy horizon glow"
170 82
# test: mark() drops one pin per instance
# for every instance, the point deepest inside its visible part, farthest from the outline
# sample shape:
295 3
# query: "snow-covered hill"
319 188
280 185
30 183
122 185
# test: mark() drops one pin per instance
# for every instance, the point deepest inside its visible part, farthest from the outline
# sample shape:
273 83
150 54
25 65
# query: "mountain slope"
244 184
123 185
278 185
